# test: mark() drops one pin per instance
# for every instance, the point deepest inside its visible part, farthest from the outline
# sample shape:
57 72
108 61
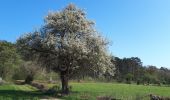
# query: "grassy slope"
122 91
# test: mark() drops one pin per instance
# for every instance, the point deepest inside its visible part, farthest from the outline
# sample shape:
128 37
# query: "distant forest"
131 70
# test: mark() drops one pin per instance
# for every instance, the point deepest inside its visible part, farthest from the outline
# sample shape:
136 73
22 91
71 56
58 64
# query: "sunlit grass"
120 91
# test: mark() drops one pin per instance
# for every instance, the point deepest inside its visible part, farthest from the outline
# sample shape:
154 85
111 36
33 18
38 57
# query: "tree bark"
64 82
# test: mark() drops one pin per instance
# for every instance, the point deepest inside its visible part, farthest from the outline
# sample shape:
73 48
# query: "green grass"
86 91
19 92
120 91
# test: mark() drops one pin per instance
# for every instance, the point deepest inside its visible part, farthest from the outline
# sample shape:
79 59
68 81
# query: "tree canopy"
68 43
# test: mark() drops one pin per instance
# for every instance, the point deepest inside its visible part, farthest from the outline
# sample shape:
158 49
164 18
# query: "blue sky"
139 28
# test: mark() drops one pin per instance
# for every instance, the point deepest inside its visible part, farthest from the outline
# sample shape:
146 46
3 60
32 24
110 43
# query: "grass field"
120 91
86 91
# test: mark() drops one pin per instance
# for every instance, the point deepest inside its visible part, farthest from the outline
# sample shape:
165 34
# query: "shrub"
138 82
164 82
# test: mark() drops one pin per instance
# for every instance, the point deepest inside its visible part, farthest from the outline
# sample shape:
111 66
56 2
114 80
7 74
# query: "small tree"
129 78
67 43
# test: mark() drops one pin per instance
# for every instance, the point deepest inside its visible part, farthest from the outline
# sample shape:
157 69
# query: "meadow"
120 91
86 91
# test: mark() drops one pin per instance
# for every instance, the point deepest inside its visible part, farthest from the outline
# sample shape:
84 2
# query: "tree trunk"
29 79
64 82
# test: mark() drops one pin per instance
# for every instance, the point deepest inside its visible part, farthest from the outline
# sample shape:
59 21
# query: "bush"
138 82
164 82
129 78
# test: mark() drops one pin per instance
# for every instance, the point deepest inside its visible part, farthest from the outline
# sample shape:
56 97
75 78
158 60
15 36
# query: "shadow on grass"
18 94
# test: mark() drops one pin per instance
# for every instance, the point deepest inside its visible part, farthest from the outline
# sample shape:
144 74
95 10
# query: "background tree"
9 59
67 43
164 75
152 71
127 66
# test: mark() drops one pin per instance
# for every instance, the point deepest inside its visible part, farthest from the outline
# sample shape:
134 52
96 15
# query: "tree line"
131 70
